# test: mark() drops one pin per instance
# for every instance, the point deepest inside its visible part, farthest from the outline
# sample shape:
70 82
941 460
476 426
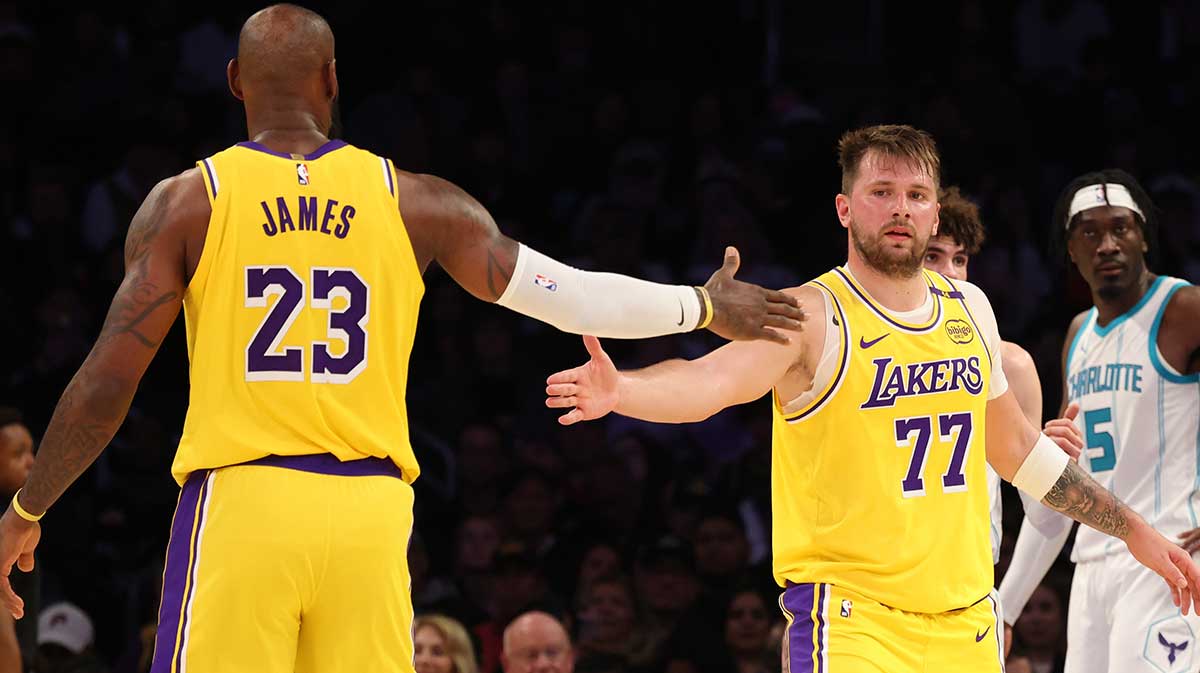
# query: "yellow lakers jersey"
878 483
301 312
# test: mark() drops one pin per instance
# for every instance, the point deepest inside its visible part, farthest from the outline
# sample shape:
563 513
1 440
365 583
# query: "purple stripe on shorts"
187 599
824 589
327 463
315 154
798 600
175 572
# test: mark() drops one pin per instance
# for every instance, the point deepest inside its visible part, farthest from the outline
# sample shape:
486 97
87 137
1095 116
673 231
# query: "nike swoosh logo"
980 636
680 323
864 344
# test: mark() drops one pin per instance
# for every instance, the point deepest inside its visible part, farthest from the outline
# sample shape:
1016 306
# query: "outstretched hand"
742 311
590 390
18 538
1171 563
1065 433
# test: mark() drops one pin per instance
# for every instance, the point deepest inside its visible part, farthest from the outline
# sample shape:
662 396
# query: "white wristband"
600 304
1042 468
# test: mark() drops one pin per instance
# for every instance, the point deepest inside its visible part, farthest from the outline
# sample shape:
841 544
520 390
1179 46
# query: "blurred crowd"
639 138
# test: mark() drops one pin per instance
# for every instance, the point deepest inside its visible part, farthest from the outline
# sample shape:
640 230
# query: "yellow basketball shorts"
288 564
833 630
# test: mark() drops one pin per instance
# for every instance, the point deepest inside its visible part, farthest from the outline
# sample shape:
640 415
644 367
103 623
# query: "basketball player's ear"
232 74
330 76
937 218
842 204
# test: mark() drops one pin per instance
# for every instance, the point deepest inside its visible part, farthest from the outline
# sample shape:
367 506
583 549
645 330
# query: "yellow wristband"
21 510
708 309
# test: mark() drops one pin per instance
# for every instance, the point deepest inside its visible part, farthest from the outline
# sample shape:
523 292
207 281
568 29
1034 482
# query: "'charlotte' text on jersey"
310 216
1106 377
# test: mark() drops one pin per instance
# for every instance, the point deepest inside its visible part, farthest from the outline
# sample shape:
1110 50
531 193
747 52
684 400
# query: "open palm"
590 390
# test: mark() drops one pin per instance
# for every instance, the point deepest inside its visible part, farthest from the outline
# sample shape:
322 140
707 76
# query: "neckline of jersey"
898 319
321 151
1103 331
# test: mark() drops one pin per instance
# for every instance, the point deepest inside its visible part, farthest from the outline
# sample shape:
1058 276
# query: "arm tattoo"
138 297
496 268
1079 496
96 400
85 420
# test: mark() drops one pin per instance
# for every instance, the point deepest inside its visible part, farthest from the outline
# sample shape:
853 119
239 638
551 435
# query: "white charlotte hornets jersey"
1139 417
993 485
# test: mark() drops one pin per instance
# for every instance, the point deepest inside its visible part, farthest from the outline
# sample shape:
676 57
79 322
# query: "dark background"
639 138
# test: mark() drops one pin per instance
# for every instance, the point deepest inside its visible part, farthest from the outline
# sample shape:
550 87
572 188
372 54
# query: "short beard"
876 258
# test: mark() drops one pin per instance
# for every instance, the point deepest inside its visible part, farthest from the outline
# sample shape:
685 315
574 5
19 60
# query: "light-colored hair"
898 141
458 643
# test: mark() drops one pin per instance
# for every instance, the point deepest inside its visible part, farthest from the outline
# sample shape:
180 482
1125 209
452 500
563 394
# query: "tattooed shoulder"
153 264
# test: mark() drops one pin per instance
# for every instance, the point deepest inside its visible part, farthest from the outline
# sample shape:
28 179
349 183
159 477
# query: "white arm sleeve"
1032 558
600 304
985 319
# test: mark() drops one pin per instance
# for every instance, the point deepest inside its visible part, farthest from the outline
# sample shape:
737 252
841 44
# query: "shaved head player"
297 261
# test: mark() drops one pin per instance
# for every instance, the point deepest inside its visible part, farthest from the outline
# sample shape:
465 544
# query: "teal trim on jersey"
1159 365
1089 320
1196 481
1103 331
1162 449
1116 430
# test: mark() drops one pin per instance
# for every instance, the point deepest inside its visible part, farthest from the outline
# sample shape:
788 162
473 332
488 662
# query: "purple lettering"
285 217
344 228
973 381
328 216
881 366
269 227
308 213
940 383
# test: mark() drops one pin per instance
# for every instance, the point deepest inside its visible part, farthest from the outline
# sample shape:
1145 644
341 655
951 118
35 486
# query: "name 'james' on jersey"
878 483
301 312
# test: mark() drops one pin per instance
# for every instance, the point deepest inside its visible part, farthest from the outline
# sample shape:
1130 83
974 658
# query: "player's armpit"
145 306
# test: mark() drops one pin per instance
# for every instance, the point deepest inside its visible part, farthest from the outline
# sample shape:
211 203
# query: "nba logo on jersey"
302 173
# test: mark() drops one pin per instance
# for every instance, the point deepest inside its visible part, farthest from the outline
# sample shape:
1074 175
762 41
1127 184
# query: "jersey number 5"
917 432
266 361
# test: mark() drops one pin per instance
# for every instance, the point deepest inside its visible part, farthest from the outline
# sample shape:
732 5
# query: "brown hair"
894 140
959 220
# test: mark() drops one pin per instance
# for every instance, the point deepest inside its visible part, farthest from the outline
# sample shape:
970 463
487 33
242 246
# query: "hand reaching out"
745 311
590 390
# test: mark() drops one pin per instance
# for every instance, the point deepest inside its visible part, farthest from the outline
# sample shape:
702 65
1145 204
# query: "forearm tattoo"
1078 496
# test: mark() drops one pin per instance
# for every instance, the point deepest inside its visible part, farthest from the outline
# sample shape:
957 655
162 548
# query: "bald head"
284 48
536 642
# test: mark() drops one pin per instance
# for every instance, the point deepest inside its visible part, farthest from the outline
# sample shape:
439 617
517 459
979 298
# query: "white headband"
1106 194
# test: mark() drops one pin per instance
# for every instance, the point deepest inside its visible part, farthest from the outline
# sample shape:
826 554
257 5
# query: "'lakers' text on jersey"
302 311
1140 419
879 481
